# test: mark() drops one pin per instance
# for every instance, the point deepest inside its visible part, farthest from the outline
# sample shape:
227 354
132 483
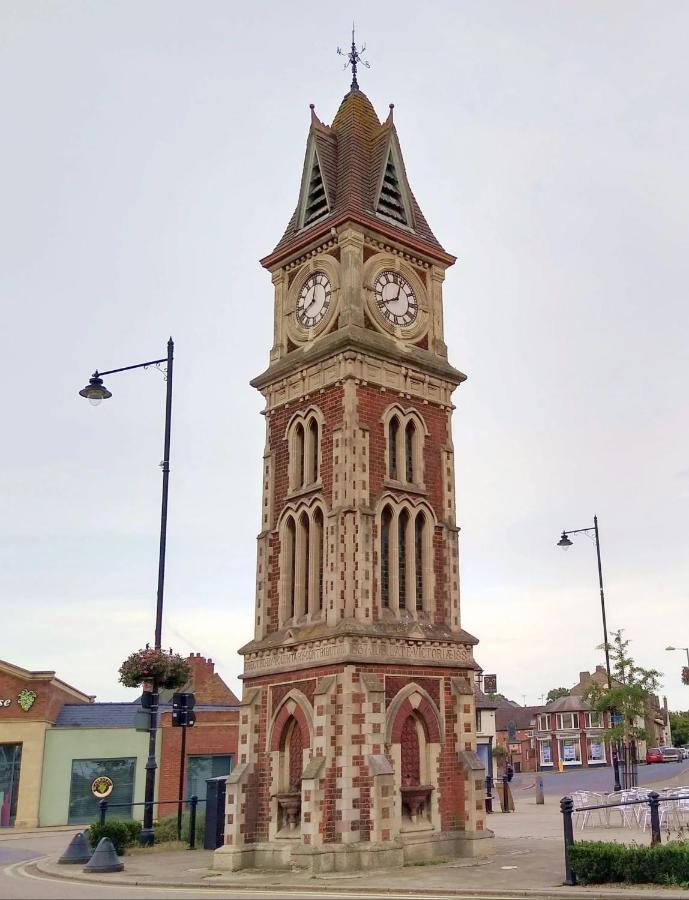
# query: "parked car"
671 754
654 756
685 752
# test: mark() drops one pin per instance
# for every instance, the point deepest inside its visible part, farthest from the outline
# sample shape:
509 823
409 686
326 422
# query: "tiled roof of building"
521 717
352 154
116 715
571 703
483 701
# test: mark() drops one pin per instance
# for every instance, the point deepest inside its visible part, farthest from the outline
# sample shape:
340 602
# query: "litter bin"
214 835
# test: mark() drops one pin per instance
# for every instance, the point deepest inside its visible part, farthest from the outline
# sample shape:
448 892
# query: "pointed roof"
354 170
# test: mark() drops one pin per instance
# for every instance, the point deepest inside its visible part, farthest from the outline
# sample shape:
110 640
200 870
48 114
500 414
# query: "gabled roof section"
354 170
393 197
314 204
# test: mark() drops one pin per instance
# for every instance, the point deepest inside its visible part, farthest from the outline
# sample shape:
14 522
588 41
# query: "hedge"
599 862
123 834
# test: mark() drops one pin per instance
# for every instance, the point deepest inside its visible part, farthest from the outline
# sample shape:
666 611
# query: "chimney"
584 676
202 670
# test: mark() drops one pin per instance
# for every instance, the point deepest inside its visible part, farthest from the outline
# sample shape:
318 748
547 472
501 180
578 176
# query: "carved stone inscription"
362 649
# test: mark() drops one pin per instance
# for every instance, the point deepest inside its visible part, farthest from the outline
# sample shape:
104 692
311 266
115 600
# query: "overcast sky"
152 152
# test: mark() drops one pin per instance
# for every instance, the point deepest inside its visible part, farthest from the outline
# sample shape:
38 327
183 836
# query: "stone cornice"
361 649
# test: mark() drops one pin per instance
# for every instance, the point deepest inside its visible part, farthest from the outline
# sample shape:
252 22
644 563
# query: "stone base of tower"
356 766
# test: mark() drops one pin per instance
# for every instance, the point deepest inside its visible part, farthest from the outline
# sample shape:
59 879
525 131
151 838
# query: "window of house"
544 722
545 753
567 720
570 751
594 719
201 768
83 806
529 732
595 748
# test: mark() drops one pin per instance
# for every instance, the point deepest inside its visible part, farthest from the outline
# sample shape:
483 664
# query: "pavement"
528 862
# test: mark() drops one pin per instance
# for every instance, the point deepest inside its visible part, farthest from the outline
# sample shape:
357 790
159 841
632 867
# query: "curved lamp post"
681 648
95 391
565 543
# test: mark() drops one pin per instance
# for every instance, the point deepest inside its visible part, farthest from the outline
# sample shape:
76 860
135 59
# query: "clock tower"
357 743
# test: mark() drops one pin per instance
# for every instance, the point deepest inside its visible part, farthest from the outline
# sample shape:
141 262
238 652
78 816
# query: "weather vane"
353 60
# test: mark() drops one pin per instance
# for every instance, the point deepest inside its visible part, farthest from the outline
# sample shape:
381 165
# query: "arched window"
419 526
410 752
318 558
314 450
403 530
385 522
290 557
393 429
299 455
302 600
409 436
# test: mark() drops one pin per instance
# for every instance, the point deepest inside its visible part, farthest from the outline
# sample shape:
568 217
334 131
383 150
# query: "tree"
556 693
631 686
679 725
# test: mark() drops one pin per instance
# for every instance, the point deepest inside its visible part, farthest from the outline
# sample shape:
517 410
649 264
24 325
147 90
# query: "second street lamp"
94 392
565 543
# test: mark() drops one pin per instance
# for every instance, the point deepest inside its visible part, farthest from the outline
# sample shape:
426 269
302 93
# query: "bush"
598 862
166 828
122 834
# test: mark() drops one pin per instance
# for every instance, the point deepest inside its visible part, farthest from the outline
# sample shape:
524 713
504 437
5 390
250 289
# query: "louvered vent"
390 202
316 200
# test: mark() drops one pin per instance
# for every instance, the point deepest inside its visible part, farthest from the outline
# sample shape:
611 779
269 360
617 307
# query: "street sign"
616 719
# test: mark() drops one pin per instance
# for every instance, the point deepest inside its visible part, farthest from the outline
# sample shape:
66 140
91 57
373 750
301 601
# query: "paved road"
594 779
20 881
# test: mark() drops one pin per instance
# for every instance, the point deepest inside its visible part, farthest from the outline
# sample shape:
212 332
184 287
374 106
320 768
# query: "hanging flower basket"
165 670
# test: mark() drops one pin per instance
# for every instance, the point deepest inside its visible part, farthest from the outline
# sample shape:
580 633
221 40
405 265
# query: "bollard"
104 858
489 794
102 811
540 800
77 853
193 801
654 803
505 794
567 808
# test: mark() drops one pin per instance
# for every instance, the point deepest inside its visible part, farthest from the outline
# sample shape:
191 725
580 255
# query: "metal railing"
193 802
567 808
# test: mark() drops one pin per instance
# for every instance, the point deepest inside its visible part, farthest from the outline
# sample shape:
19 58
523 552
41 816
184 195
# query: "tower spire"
354 58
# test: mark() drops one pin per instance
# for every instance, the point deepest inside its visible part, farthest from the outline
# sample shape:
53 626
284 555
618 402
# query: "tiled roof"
570 703
483 701
115 715
353 152
521 716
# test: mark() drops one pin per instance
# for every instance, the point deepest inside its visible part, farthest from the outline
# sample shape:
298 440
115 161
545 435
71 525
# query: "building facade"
357 742
55 745
30 703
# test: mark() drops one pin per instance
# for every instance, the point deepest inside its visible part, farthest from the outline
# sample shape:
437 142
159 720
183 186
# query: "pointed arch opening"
385 528
393 431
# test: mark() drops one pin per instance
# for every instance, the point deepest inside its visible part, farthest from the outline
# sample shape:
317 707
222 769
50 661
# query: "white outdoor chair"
627 814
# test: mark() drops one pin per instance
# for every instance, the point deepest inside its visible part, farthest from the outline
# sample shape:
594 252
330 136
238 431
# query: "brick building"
211 745
515 728
357 743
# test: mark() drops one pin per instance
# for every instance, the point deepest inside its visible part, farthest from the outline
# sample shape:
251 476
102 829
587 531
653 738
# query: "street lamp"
565 543
95 391
680 648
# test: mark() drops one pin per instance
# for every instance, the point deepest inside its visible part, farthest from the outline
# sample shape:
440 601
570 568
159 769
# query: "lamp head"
564 542
671 648
95 390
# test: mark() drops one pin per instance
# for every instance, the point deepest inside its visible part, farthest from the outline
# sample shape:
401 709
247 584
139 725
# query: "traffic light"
183 710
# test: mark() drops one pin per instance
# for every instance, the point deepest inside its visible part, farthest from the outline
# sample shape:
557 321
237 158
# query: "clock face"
395 299
313 300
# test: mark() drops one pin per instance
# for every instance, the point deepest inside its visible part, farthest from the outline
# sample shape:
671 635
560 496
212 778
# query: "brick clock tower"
357 741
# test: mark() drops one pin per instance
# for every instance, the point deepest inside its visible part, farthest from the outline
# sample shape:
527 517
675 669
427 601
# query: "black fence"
653 801
192 803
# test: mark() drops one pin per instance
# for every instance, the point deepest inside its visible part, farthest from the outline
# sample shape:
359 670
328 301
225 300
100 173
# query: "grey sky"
152 152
